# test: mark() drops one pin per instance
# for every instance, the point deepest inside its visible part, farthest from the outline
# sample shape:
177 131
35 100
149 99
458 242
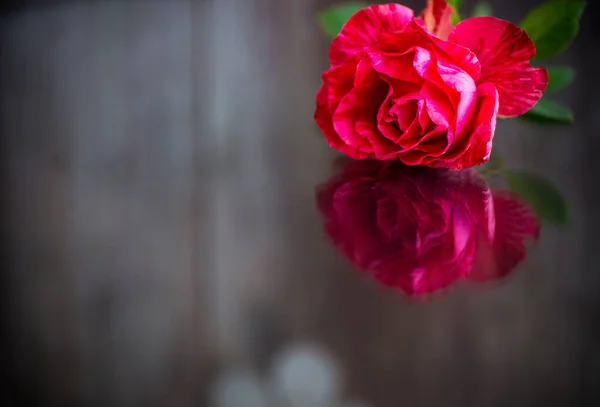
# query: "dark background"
158 164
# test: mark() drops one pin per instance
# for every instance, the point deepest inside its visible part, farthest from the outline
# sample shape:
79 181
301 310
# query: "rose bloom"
421 229
421 90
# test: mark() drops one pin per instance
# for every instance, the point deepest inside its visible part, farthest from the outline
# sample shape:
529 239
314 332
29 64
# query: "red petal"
364 28
414 38
437 18
324 121
475 146
438 105
354 117
336 83
453 68
504 51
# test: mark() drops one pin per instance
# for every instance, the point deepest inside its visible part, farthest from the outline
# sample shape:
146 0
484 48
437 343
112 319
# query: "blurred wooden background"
159 159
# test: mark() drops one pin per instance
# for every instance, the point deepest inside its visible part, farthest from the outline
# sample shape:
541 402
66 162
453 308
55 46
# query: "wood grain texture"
160 162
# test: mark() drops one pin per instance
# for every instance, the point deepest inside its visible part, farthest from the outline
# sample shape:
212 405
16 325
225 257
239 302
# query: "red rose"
422 91
421 229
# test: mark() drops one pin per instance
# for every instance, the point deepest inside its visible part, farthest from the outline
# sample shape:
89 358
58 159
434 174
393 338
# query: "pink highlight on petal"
364 28
504 51
436 17
475 147
438 106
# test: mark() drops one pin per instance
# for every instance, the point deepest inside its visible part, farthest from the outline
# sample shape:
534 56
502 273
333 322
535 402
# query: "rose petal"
354 118
408 65
405 113
346 118
386 123
394 116
412 157
363 29
462 83
434 142
340 81
438 106
437 18
411 137
451 67
504 51
424 119
414 36
325 122
475 147
337 82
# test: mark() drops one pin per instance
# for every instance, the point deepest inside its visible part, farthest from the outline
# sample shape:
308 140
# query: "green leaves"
482 9
559 77
455 17
454 3
549 111
553 26
545 199
333 19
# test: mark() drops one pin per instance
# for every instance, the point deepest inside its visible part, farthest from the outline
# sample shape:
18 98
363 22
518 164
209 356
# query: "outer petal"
437 18
337 82
355 117
324 120
364 28
504 51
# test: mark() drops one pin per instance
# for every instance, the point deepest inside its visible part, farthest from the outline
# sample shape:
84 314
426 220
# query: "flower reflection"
422 229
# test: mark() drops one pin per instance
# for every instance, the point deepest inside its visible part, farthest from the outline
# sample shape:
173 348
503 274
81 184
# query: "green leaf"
455 18
454 3
553 26
542 195
549 111
333 19
559 77
482 9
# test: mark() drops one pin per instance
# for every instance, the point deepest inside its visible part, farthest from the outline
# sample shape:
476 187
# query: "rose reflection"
422 229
